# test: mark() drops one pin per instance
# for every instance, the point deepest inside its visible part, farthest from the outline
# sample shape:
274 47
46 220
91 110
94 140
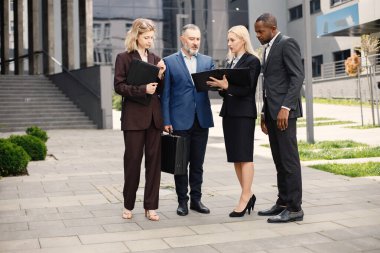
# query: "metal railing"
64 69
335 70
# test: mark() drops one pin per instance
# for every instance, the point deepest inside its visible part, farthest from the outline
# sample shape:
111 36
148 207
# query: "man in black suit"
283 77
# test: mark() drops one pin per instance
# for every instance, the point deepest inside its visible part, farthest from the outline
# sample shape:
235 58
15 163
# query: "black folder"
238 77
141 73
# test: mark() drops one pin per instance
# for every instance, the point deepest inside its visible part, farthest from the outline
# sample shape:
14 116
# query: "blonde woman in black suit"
239 114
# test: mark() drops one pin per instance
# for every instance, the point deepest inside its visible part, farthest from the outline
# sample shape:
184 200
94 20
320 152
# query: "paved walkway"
72 202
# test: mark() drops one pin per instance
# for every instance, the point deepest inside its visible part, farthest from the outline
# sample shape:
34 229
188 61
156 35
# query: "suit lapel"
151 58
241 60
272 49
136 55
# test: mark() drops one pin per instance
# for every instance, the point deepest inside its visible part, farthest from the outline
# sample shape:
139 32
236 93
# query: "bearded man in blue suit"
187 112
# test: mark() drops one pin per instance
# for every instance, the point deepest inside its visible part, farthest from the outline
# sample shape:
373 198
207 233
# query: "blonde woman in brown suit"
141 124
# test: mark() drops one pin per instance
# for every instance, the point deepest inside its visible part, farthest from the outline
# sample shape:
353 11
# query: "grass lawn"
323 121
331 150
351 170
327 123
339 101
363 127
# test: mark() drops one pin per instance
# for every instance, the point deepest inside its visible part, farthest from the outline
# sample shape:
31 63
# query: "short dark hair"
267 19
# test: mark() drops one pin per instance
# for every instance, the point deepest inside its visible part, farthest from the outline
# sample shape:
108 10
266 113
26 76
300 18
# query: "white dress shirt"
191 62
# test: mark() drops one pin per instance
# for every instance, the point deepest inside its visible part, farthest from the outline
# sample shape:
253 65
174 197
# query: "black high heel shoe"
253 200
248 207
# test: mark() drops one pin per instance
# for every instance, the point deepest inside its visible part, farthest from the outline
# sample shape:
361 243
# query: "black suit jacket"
283 77
239 101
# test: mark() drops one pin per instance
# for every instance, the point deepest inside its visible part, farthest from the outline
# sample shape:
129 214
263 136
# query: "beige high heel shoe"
152 215
127 214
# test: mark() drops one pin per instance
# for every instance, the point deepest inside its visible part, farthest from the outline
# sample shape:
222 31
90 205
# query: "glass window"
107 30
108 56
214 20
338 2
315 6
97 31
339 58
128 26
316 65
295 12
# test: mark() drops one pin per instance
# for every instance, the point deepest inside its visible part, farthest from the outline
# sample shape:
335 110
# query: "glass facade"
214 17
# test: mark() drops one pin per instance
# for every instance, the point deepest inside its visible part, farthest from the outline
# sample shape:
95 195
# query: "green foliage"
331 150
328 123
339 101
364 127
37 132
35 148
351 170
13 159
330 144
315 119
116 102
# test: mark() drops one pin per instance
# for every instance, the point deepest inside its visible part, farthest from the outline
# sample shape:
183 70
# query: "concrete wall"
346 88
91 90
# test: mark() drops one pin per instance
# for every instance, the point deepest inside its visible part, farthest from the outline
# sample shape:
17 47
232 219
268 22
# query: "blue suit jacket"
179 100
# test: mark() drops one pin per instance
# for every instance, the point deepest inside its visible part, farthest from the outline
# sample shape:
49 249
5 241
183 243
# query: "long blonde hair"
139 26
242 32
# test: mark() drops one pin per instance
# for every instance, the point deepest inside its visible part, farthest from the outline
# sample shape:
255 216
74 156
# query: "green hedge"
37 132
13 159
116 102
35 148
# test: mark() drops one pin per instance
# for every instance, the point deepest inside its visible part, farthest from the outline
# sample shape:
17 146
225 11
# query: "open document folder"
238 77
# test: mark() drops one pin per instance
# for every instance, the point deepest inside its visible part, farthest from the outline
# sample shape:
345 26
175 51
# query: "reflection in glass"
113 19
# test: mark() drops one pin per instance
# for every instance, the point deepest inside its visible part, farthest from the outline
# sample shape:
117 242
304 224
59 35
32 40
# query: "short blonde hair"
242 32
139 26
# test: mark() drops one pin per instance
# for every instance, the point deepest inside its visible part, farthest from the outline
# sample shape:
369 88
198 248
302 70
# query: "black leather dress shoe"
274 210
286 216
199 207
182 209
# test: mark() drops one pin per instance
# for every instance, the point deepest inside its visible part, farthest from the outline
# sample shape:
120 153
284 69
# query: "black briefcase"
175 152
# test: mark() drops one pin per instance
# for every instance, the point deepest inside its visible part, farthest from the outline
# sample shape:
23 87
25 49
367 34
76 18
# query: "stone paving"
72 202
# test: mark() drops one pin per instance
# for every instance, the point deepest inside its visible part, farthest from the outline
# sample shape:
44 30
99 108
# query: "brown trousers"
135 141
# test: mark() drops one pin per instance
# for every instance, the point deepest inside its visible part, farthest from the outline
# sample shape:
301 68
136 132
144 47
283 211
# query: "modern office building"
63 39
113 18
336 27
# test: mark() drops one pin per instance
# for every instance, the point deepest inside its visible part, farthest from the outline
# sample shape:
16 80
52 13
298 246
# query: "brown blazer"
135 116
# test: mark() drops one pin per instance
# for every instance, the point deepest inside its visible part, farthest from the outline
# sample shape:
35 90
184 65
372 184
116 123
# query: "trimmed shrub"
35 148
116 102
37 132
13 159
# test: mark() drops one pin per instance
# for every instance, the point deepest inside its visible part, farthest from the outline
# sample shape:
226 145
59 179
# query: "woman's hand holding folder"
151 88
222 84
162 67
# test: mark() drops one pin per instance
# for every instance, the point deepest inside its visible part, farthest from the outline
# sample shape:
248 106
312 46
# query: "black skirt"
238 138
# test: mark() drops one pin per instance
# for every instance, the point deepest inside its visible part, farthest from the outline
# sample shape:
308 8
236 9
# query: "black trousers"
286 158
197 137
138 142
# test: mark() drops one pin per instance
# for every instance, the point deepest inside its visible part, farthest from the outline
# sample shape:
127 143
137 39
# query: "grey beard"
191 52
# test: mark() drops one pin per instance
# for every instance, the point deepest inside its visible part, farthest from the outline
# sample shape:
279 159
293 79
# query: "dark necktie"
265 54
231 63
